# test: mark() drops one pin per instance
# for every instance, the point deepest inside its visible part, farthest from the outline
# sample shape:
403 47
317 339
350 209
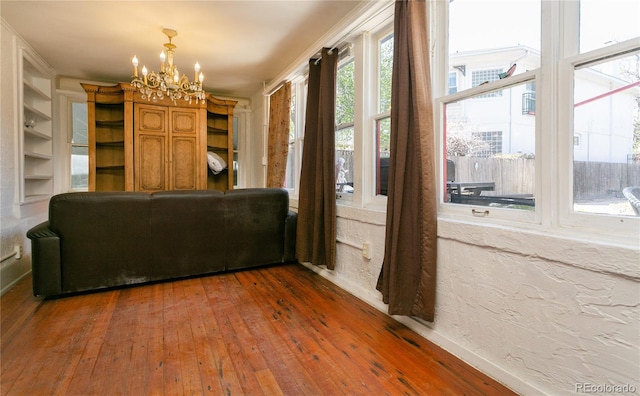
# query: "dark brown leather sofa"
100 240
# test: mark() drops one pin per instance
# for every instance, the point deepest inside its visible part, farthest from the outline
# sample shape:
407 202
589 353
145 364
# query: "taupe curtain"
316 230
278 141
408 276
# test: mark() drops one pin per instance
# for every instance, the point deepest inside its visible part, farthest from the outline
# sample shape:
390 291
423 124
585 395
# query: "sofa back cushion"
188 232
104 238
255 224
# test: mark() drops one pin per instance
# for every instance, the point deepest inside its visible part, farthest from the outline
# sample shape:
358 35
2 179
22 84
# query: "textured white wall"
541 314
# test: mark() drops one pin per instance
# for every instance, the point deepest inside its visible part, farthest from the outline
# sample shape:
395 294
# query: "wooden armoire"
137 144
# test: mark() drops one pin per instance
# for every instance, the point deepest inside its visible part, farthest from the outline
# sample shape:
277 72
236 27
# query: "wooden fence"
516 176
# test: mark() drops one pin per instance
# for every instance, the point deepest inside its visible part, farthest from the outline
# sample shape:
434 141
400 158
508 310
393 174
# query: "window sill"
577 249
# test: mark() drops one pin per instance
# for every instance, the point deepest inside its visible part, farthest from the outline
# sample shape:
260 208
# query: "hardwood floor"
280 330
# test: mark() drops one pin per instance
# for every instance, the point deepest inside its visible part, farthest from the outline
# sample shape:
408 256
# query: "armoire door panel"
152 163
152 119
184 121
184 164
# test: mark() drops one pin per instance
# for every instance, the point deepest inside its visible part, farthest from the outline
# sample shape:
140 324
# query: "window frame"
347 197
299 89
372 199
554 148
609 227
448 209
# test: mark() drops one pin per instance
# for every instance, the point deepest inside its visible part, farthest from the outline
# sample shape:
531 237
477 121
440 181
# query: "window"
236 149
518 150
453 82
482 77
606 98
345 107
491 152
605 23
79 146
296 134
383 117
529 100
289 179
488 135
490 142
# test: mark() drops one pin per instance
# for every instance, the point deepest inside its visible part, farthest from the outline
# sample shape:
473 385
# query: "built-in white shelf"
36 118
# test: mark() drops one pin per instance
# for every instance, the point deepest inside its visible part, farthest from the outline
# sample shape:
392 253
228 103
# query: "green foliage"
345 95
386 71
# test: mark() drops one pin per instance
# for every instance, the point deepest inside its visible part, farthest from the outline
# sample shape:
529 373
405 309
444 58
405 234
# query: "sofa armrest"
290 225
45 260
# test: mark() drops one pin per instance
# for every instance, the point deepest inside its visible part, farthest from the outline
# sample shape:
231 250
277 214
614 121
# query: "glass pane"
289 179
292 118
79 167
490 144
345 105
344 160
235 168
383 129
235 133
608 22
345 93
386 69
486 38
79 128
606 142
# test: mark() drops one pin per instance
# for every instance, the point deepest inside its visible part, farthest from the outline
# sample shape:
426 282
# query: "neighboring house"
603 133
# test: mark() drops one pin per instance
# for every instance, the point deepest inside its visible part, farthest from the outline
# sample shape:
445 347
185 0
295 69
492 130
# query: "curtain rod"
378 8
345 48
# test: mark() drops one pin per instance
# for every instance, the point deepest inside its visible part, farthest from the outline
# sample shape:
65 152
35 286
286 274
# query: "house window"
79 146
236 150
605 23
383 118
529 103
453 82
606 98
486 76
529 99
491 143
289 179
491 153
591 64
296 134
345 107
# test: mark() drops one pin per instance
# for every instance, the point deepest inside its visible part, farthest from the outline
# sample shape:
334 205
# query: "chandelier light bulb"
134 61
201 77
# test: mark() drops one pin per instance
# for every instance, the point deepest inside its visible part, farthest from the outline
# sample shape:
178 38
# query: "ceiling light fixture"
168 82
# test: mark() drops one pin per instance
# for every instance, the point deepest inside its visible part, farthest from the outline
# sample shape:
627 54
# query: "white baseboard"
374 298
13 271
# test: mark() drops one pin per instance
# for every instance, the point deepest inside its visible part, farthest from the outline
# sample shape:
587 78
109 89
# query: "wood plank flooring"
281 330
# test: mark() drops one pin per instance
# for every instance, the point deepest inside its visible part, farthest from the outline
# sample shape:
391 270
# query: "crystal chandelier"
168 82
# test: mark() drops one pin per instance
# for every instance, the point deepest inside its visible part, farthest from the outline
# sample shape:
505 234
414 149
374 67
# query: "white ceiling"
239 43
